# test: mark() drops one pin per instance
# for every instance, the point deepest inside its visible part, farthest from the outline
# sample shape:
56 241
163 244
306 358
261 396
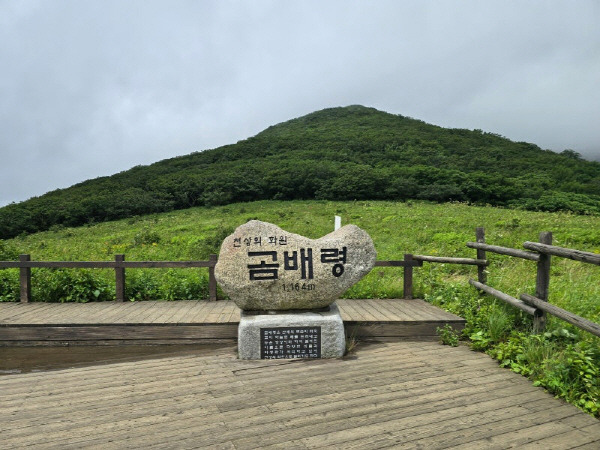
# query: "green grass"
565 360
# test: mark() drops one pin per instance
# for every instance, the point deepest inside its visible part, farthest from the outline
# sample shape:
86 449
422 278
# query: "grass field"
564 359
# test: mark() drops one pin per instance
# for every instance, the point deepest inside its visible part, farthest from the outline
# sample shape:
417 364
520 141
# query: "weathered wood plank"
574 319
448 260
390 395
504 297
542 281
15 312
25 279
531 256
346 307
105 264
576 255
398 263
91 332
406 310
380 315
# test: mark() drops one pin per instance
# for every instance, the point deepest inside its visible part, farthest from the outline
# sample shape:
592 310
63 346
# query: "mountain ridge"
342 153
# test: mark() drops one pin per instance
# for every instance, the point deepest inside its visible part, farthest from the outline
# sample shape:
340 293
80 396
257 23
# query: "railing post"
408 276
212 281
480 237
542 282
25 280
119 279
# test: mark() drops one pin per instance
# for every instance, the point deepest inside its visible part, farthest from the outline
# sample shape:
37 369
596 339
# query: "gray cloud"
93 88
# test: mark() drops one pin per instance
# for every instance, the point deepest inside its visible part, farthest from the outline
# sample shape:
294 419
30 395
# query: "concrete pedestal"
286 335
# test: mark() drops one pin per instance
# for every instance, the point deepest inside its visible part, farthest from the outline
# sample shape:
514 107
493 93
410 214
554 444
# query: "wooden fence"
537 306
25 264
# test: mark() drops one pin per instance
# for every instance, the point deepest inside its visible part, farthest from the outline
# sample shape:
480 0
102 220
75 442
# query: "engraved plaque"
290 342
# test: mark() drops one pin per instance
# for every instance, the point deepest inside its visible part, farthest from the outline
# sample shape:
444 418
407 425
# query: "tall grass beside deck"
565 360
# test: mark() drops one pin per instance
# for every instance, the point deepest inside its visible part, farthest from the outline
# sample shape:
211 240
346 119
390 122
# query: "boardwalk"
401 394
197 321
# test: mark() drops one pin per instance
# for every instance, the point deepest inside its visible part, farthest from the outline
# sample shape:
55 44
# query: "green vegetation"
564 360
448 335
352 153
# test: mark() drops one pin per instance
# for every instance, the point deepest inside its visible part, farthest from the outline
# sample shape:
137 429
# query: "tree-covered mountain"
339 153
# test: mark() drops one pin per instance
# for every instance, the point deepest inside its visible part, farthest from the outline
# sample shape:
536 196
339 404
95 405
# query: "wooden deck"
156 322
398 394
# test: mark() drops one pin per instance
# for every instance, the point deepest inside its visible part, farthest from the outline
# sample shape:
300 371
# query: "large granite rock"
262 267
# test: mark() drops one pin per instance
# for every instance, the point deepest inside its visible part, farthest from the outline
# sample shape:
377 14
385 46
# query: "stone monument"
286 285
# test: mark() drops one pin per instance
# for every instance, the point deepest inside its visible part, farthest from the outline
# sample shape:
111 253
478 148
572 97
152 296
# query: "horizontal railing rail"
104 264
25 264
504 297
448 260
505 251
538 305
576 255
563 314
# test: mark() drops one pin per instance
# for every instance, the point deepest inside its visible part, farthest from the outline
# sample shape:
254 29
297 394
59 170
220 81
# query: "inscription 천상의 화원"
290 342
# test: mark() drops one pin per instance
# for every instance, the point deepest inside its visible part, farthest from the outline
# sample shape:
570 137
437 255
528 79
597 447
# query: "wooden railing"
537 305
25 264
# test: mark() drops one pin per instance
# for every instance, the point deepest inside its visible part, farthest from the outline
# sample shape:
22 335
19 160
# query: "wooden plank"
25 279
133 312
213 312
504 297
104 264
574 319
347 305
398 263
249 420
542 281
576 255
199 314
409 308
167 309
481 254
69 312
436 312
149 313
364 311
504 251
194 312
366 418
119 278
407 286
447 260
400 394
427 311
114 312
403 309
226 312
383 307
374 312
576 437
107 332
21 311
59 315
182 310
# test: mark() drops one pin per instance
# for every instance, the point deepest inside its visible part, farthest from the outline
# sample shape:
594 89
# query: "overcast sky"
91 88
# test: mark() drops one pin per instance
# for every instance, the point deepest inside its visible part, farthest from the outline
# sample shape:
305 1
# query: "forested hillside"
340 153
